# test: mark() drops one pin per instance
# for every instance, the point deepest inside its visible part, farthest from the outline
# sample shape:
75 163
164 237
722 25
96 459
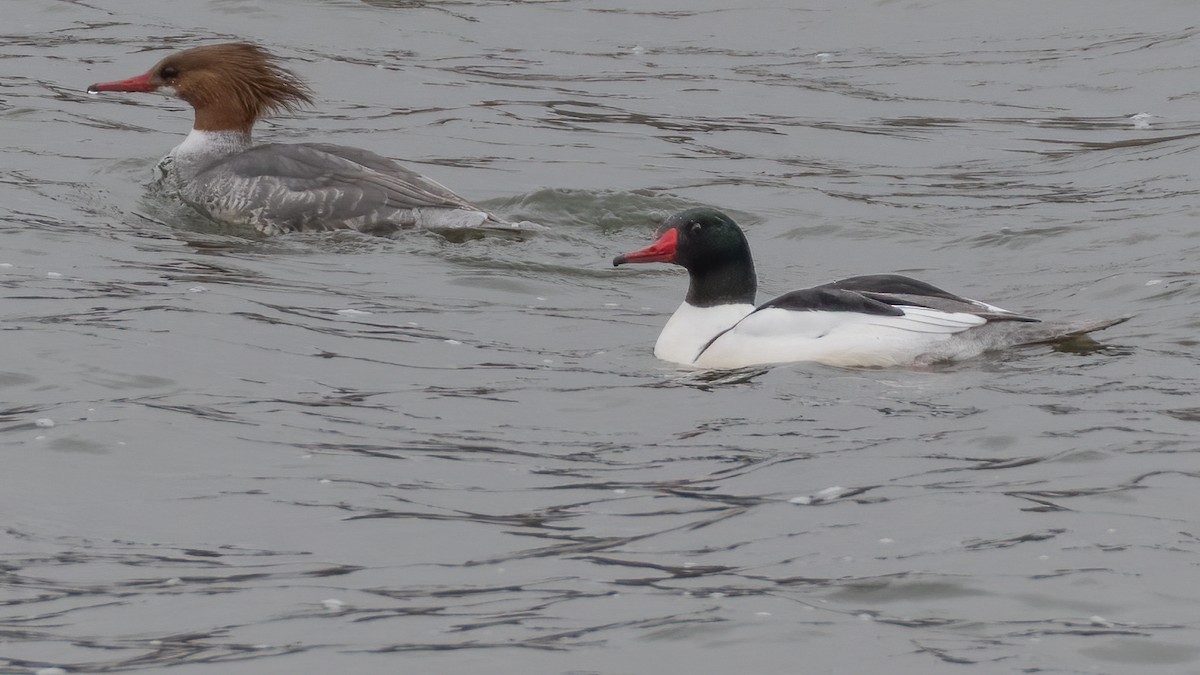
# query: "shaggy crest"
231 85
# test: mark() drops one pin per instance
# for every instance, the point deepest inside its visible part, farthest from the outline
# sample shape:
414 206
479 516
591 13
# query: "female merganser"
282 187
877 320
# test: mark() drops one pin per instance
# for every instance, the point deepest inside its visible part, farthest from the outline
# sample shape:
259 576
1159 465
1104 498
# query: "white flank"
779 335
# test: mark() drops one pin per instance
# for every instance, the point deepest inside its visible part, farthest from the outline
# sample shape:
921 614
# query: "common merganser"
282 187
878 320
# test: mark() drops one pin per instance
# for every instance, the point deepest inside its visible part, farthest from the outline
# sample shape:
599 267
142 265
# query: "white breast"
690 328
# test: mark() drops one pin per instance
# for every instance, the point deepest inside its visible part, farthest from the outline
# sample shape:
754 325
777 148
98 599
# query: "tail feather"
1004 334
1038 333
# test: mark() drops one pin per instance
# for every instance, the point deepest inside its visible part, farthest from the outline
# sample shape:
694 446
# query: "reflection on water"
344 453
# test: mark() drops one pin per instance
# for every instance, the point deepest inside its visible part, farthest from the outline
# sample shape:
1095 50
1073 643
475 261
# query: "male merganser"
877 320
282 187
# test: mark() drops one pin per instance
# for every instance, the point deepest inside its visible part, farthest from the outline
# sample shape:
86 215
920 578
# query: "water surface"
342 453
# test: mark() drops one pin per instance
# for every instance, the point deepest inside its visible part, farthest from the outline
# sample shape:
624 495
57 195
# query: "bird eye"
168 73
693 228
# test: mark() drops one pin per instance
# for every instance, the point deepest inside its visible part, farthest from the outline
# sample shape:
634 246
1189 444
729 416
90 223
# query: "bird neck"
730 282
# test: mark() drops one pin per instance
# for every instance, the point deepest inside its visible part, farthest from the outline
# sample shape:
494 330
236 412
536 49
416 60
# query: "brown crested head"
230 85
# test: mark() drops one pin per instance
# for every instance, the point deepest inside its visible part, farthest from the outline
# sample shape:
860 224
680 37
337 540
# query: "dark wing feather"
830 299
893 284
895 289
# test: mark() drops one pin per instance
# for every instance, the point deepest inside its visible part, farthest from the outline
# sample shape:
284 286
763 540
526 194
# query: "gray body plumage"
307 187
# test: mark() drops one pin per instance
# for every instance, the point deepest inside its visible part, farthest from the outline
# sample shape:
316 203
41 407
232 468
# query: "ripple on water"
335 452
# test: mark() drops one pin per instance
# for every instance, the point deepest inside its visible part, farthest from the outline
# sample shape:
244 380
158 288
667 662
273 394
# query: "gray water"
345 454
